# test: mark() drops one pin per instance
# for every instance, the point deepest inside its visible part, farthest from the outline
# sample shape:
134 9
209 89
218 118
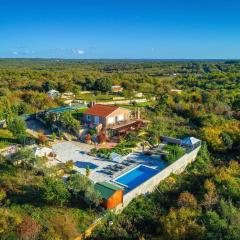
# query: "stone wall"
150 185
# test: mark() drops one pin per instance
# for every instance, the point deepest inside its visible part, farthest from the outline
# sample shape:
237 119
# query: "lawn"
137 105
97 96
6 138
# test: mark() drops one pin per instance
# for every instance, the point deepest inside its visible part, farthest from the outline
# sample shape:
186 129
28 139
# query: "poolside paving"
153 161
77 152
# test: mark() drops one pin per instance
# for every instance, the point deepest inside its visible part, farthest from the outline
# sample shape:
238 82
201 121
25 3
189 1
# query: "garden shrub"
174 152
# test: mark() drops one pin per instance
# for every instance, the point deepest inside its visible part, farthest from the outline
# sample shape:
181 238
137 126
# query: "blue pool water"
136 176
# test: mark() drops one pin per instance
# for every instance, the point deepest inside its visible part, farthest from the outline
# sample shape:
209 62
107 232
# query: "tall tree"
18 127
55 191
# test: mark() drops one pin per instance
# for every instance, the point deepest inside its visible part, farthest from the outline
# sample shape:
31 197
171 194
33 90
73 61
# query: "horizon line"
122 59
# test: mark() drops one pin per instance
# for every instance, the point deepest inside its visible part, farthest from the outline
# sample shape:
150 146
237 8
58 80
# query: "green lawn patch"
6 138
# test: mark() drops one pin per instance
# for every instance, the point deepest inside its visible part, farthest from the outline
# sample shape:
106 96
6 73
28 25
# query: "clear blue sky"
163 29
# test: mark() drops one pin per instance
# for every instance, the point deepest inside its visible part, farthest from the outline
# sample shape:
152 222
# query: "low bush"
174 152
6 138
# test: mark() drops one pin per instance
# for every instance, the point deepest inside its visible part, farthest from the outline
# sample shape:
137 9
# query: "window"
111 120
120 118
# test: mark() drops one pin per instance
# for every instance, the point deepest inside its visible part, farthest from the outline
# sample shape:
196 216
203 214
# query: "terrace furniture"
115 168
108 172
118 166
132 161
110 167
126 163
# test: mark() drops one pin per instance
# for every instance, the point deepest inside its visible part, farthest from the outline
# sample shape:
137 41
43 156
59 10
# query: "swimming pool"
135 177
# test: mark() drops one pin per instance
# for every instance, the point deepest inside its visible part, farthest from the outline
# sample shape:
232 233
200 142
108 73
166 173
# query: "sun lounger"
109 167
115 169
132 161
126 163
108 172
118 166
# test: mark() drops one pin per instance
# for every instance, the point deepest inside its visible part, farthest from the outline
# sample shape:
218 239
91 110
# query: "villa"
106 115
112 118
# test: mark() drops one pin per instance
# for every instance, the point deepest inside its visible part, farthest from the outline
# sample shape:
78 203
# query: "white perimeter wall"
150 185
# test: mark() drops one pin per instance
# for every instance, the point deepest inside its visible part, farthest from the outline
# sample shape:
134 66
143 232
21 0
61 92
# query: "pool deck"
77 152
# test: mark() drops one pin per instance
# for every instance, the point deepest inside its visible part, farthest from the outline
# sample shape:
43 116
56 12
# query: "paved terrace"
99 168
122 124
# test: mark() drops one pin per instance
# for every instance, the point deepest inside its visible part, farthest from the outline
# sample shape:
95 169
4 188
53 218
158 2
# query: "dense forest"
197 98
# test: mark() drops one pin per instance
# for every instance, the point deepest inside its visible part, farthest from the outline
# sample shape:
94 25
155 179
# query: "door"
96 119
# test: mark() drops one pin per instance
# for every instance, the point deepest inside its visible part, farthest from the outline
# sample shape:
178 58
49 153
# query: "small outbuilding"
117 89
112 195
53 93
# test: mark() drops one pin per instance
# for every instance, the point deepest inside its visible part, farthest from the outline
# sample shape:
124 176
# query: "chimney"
92 103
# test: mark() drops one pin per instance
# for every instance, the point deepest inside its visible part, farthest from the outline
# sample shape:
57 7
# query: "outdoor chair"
124 163
132 161
115 168
110 167
109 172
118 166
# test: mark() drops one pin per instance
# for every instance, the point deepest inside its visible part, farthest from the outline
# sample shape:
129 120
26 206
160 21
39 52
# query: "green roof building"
112 195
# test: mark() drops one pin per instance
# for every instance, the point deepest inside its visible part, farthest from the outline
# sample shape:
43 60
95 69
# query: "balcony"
126 125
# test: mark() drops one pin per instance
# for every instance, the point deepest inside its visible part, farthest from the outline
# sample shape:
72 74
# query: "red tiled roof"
101 110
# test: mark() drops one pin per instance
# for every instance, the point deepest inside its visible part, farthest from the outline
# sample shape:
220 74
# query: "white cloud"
78 51
28 52
22 52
